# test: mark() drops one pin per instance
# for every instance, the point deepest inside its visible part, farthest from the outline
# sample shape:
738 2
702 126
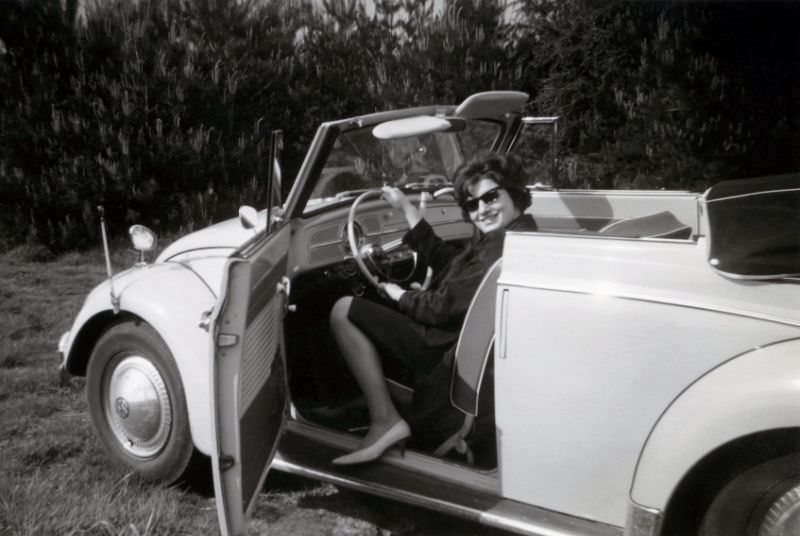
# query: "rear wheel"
762 501
137 402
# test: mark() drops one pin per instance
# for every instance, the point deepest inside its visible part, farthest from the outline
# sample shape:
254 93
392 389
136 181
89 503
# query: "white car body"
623 363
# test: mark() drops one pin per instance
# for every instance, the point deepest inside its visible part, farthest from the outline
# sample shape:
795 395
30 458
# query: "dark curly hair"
504 169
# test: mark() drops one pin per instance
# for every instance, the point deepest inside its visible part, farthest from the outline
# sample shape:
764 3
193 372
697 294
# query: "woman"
423 324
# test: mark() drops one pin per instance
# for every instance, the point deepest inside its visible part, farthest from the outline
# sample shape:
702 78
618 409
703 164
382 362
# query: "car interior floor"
325 393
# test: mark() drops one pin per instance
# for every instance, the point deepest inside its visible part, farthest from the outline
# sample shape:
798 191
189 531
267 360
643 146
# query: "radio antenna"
114 297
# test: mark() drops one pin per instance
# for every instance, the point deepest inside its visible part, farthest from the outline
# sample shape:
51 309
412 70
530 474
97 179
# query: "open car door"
250 401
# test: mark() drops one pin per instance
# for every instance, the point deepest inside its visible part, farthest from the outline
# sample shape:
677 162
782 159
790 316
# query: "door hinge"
225 340
226 461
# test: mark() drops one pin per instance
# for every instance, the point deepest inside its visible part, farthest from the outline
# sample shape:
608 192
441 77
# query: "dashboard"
321 240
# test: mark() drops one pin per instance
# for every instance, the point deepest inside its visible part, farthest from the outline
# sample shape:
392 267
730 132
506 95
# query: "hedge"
153 108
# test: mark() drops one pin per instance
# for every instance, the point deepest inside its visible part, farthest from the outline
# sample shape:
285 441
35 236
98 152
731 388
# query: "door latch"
225 340
205 320
284 286
226 461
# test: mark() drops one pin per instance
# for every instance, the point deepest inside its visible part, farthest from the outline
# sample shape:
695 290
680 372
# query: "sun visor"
410 126
490 104
754 227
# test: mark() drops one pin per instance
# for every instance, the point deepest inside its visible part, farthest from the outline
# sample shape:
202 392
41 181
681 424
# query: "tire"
762 501
137 402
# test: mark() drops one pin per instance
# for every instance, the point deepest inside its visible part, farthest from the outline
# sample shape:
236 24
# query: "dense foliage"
155 109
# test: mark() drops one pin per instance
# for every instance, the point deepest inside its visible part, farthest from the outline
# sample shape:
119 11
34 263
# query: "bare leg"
362 357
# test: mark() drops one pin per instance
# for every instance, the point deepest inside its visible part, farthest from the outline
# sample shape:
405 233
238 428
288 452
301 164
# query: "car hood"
218 239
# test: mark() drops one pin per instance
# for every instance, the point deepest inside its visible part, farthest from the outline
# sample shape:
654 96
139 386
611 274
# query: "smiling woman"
490 179
421 330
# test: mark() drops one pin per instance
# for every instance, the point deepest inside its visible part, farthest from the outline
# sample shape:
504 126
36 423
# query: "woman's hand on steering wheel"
397 199
366 255
393 290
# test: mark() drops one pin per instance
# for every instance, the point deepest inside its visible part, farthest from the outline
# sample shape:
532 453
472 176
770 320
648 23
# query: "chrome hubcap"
783 518
137 407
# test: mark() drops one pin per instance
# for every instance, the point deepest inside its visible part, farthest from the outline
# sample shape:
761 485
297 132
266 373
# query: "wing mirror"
248 217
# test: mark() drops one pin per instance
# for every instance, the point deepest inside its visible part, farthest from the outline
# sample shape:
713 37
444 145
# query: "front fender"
171 298
754 392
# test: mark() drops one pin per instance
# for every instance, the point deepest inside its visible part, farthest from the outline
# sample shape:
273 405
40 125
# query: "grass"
54 475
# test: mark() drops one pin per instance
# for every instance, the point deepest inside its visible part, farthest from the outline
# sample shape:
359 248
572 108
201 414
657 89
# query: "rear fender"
754 392
172 299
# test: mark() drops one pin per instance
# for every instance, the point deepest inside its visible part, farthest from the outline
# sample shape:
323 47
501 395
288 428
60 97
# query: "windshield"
360 161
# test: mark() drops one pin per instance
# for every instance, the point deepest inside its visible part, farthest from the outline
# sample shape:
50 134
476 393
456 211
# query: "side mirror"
248 217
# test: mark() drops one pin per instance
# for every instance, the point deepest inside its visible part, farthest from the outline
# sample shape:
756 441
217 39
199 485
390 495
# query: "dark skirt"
408 356
401 341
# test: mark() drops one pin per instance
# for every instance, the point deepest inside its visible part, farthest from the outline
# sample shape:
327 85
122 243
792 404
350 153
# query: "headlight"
143 240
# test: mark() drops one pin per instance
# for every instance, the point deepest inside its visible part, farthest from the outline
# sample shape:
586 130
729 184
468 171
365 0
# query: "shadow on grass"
395 517
198 478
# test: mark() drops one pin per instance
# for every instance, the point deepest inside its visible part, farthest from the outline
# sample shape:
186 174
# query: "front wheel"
137 403
762 501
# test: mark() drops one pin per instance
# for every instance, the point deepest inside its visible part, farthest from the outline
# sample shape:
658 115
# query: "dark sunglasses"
488 197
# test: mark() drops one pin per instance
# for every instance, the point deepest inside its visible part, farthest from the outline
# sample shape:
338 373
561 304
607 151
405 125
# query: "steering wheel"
366 255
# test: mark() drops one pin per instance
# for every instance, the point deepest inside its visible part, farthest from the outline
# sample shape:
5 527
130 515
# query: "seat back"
475 343
662 224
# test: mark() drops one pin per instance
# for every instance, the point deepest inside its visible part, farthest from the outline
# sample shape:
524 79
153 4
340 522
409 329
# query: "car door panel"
249 370
597 338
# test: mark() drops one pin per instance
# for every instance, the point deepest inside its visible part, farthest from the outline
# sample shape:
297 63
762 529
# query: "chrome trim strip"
643 521
325 244
740 277
187 264
195 249
665 301
500 513
622 193
590 235
548 525
377 489
753 194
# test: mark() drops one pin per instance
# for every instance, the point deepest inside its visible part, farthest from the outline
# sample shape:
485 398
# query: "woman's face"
490 207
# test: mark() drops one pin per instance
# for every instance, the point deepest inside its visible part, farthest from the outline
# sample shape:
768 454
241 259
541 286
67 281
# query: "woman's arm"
446 305
433 251
399 200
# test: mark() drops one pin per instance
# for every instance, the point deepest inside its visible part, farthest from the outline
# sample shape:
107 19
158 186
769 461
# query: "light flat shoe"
399 432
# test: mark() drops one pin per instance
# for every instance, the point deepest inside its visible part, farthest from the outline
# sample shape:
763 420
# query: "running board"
301 456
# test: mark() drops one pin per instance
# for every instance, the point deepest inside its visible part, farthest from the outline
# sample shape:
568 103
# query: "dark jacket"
457 273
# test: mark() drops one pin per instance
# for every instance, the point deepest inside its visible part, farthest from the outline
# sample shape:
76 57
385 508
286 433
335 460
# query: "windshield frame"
324 141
